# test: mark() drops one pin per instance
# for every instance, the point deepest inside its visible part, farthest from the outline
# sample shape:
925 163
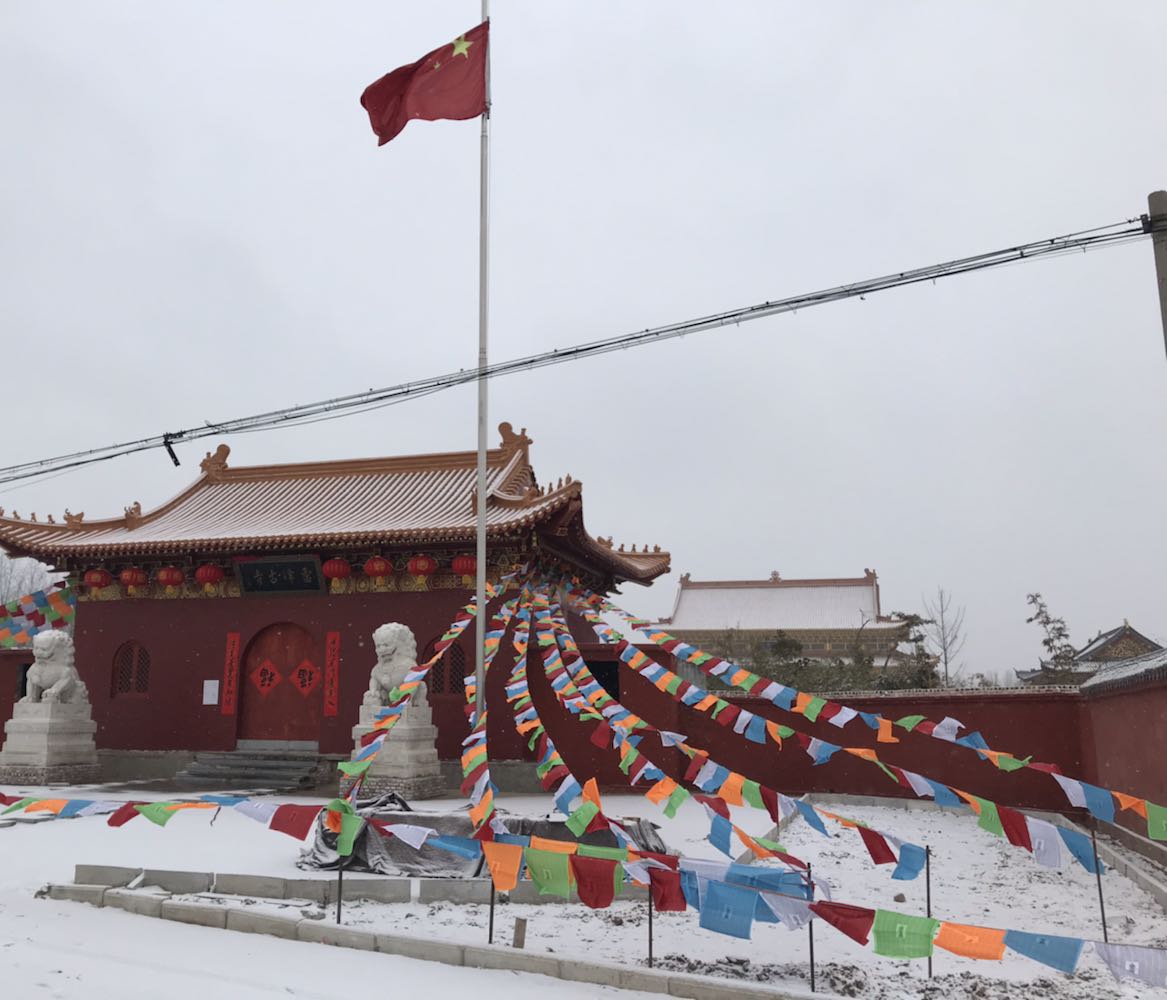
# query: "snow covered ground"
67 950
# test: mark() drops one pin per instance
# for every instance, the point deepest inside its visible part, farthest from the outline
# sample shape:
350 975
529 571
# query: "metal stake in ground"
340 884
928 893
650 921
490 933
1098 876
810 928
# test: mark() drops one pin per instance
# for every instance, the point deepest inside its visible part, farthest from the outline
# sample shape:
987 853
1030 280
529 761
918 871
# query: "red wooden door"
281 686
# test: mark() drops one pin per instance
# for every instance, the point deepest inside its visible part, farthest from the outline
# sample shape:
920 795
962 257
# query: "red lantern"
336 570
209 576
421 567
96 579
378 568
466 567
132 577
170 577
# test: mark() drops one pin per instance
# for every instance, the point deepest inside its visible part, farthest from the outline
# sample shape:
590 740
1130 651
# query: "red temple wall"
1115 739
186 640
1125 741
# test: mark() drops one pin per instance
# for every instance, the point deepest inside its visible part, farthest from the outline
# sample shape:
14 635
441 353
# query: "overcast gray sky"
196 223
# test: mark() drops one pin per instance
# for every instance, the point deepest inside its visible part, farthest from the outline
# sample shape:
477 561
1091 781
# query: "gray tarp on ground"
374 852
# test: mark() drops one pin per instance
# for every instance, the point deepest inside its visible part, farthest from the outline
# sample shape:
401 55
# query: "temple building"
1115 648
826 617
239 614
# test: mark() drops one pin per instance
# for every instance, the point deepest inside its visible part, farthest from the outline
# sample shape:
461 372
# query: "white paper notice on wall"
210 692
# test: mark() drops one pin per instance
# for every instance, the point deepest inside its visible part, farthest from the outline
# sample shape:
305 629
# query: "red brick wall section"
1044 724
1127 742
186 641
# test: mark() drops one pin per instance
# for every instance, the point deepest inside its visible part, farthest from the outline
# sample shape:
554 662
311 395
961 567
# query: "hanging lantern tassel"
421 568
171 577
378 568
467 568
337 571
210 576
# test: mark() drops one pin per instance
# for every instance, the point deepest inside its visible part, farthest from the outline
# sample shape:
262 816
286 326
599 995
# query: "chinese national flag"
450 82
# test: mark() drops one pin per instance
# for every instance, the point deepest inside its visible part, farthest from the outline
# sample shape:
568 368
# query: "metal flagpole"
483 317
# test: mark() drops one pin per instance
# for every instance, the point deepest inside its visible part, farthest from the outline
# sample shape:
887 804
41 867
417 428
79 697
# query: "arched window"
446 676
131 669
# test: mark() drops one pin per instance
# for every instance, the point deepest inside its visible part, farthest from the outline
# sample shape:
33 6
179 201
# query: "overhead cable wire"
1099 237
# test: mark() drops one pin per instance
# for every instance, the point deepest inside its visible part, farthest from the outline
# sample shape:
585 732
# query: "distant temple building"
239 614
828 617
1109 650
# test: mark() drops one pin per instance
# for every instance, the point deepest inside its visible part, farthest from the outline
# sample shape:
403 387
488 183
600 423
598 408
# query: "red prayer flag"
667 895
1014 825
854 921
295 821
876 846
595 880
125 813
449 82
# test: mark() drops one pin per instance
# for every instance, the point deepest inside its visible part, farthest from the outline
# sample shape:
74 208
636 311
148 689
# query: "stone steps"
234 768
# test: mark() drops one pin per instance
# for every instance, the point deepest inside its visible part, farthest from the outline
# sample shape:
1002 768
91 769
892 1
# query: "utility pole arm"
1155 223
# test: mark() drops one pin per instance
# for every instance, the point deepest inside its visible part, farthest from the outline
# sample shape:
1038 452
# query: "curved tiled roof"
422 498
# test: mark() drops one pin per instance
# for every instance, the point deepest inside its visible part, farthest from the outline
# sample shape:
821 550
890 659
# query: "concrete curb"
445 952
384 889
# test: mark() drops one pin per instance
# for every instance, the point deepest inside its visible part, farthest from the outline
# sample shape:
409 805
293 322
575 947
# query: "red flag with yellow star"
450 82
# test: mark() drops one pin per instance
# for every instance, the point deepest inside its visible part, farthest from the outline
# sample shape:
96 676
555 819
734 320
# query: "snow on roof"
778 604
1123 670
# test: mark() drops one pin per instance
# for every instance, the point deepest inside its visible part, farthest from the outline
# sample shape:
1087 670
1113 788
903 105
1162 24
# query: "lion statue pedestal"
50 735
408 762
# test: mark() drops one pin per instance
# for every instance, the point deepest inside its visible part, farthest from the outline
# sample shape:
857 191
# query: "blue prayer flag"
974 740
690 889
1081 847
465 847
784 697
811 817
719 831
756 731
1060 953
1099 801
729 910
942 794
912 858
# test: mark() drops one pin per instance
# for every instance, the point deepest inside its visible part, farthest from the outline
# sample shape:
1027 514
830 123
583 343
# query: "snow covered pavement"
69 950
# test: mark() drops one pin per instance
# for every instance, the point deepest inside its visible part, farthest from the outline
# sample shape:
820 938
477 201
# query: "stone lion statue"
52 676
396 656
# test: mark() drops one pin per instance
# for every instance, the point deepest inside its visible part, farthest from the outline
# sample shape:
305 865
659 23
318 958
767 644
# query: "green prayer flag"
350 826
674 684
1007 762
1156 822
719 707
354 767
770 845
990 819
18 805
813 707
550 871
749 682
675 801
609 853
886 770
909 722
752 794
898 935
157 812
785 732
629 760
578 821
701 658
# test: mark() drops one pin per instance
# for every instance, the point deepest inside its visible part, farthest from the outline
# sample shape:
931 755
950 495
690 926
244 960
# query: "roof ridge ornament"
512 442
133 515
215 465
